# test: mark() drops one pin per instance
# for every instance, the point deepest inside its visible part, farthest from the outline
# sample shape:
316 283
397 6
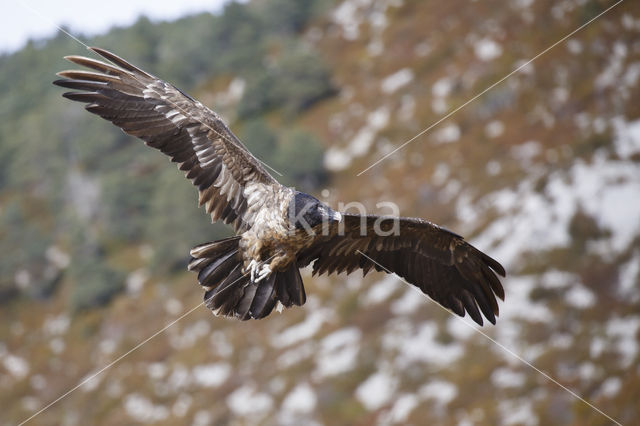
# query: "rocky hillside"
542 171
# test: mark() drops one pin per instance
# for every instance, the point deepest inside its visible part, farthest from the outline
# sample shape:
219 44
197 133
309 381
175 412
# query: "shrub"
294 83
175 223
95 283
300 159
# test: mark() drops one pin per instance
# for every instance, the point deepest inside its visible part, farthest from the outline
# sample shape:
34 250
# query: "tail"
230 292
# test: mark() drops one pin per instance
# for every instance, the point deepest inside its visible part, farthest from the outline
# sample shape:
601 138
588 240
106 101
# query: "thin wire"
500 345
489 88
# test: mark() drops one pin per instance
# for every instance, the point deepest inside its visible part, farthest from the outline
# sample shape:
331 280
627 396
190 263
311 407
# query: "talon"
253 267
264 272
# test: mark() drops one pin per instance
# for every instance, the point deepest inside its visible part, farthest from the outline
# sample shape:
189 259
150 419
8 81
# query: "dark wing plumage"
440 263
164 117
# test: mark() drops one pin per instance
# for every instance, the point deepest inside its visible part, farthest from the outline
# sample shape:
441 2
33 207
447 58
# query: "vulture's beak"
336 216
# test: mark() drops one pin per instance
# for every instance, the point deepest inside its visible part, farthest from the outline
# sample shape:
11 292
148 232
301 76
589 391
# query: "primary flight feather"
278 230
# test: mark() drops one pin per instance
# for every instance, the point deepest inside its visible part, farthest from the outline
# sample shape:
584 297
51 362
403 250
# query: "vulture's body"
278 230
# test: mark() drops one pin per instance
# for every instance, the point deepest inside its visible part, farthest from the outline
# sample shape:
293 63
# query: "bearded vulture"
278 229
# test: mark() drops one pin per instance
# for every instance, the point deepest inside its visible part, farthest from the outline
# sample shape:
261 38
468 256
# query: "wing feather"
439 262
166 118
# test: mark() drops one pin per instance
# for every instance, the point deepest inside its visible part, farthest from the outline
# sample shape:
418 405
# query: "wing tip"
495 265
117 60
100 51
60 82
477 318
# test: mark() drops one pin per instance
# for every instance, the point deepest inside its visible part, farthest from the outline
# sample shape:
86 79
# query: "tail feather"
264 298
216 248
290 289
230 292
224 299
216 271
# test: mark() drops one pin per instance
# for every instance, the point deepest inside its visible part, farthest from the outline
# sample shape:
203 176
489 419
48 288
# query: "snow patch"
419 345
493 168
442 88
376 391
627 143
180 378
202 418
518 412
448 134
91 381
494 128
190 335
134 282
459 328
440 391
157 370
295 355
520 305
220 345
579 297
173 306
610 387
407 108
408 303
56 325
526 152
57 257
396 81
340 158
507 378
338 352
336 159
301 400
531 220
610 76
401 409
211 375
380 291
245 401
301 331
487 49
38 382
143 410
574 46
629 278
624 332
16 366
347 17
180 408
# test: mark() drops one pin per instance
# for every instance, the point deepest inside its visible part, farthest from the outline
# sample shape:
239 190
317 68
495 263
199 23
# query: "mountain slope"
541 172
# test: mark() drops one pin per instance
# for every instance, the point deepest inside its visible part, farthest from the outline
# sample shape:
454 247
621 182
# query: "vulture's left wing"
195 137
440 263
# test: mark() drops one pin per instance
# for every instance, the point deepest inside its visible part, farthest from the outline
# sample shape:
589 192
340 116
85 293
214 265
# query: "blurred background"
542 172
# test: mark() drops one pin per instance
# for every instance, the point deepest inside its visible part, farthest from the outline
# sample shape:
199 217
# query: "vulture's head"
306 212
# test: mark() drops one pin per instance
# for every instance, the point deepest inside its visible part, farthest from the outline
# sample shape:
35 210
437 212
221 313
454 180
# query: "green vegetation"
294 83
297 154
95 283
